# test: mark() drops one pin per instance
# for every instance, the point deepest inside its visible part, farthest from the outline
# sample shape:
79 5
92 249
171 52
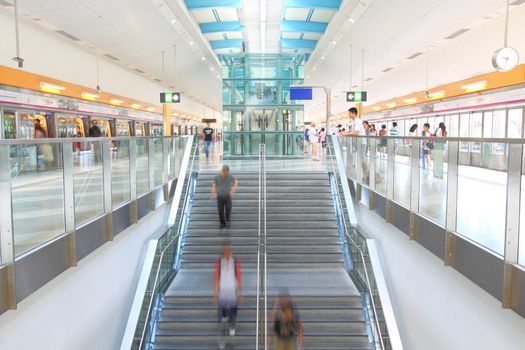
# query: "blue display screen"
300 94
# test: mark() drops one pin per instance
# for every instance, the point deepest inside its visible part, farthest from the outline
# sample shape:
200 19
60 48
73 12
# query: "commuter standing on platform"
94 131
223 189
394 131
287 324
428 146
439 150
227 290
306 142
313 136
208 139
383 142
322 141
357 125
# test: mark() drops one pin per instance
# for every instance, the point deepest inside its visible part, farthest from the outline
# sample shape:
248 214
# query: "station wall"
46 53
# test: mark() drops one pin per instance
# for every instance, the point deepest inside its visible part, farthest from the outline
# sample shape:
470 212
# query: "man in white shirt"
357 124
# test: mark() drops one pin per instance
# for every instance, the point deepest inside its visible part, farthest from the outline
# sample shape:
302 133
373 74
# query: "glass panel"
88 184
37 194
9 124
476 129
433 180
381 165
464 131
402 173
481 204
521 253
453 128
157 161
142 166
487 124
515 123
120 182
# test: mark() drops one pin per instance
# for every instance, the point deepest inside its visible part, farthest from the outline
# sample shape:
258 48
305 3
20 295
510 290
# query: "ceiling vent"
514 3
369 79
139 71
417 54
5 3
387 70
111 56
158 80
456 34
67 35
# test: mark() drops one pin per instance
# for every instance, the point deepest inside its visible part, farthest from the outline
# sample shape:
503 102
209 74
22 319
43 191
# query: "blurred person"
306 144
322 141
383 142
439 150
337 130
394 131
313 136
208 139
373 131
76 144
441 131
368 128
412 132
94 131
287 325
227 290
223 189
428 146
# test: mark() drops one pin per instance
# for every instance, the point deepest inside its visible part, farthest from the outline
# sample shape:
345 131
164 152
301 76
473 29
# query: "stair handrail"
182 221
261 328
341 217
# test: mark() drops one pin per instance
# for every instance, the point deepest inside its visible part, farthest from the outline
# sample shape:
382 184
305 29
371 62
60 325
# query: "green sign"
170 97
356 96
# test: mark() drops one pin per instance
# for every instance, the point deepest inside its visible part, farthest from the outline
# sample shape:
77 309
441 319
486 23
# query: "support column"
390 167
7 248
166 119
108 203
414 188
452 203
512 225
69 201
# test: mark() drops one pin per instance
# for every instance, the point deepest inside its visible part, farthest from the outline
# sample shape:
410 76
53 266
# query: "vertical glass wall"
257 107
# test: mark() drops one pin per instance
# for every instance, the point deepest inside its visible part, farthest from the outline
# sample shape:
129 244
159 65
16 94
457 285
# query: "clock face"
505 59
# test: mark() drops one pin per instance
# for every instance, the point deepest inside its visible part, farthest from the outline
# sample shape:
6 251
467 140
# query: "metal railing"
378 337
162 261
262 272
438 181
52 188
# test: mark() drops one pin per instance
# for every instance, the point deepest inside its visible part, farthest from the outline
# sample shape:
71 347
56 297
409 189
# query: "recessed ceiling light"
203 58
191 43
351 20
323 58
173 21
411 101
334 42
477 86
315 68
307 77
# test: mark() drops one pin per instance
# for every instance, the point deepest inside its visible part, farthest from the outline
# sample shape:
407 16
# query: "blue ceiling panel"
299 44
212 4
303 27
314 4
222 27
226 44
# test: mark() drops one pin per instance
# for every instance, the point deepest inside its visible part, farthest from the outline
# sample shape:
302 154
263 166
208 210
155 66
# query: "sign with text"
211 121
170 97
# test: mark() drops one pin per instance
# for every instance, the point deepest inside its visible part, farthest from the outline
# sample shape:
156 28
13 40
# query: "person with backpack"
287 325
227 288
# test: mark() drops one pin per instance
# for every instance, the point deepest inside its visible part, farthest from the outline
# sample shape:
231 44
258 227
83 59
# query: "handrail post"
452 203
7 244
414 188
108 203
69 201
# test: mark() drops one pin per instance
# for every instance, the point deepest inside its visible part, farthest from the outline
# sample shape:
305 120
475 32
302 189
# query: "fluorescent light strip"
136 105
411 101
45 85
391 105
477 86
116 101
436 95
89 95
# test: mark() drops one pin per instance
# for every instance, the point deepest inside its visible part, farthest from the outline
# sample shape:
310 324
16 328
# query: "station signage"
301 94
356 96
169 97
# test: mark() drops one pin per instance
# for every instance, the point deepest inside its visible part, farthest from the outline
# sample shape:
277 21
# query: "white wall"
48 54
87 306
467 56
436 307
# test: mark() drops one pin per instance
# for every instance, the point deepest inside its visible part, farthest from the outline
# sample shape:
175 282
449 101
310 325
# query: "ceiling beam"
303 27
299 44
226 44
212 4
314 4
222 27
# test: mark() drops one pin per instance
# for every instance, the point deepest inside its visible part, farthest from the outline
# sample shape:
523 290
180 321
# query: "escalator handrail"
361 254
169 245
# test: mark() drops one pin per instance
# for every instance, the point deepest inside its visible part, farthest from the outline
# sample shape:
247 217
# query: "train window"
476 130
498 128
515 121
487 124
9 124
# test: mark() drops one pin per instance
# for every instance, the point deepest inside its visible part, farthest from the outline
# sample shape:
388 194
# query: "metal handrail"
345 228
31 142
518 141
177 235
262 276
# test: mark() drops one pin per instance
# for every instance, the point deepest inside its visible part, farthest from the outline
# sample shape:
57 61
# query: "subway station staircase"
304 255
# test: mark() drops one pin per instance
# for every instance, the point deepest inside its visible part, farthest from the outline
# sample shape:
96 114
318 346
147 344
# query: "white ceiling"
389 32
133 34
